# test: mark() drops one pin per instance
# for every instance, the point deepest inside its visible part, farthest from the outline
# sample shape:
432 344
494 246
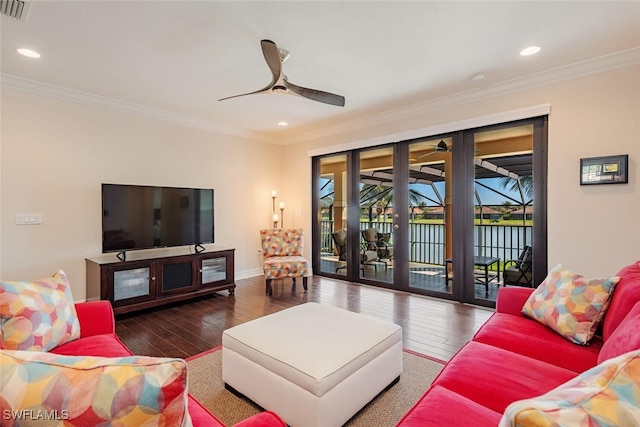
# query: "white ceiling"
175 59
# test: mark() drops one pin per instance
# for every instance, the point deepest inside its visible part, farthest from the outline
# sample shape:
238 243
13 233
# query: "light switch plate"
28 219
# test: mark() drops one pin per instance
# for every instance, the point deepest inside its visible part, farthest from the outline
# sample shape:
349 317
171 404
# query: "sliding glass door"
503 206
330 205
375 220
449 216
430 225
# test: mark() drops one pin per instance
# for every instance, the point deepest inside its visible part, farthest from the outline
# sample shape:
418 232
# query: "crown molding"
490 119
601 64
57 92
598 65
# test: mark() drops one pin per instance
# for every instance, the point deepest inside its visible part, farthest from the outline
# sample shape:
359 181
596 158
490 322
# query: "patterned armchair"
282 256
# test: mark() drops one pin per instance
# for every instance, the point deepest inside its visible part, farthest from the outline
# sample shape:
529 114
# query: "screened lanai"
503 202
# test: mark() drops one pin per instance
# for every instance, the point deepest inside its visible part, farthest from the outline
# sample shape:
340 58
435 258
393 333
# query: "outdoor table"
483 262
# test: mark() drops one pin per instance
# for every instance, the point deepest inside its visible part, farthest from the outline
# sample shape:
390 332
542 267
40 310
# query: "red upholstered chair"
282 256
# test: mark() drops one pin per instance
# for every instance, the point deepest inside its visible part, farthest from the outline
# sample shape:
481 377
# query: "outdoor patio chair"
282 256
519 272
366 256
380 243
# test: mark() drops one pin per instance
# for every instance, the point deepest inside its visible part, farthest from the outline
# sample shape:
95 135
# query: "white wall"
594 230
55 155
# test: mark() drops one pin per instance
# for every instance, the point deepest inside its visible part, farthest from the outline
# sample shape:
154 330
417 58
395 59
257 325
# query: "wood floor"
430 326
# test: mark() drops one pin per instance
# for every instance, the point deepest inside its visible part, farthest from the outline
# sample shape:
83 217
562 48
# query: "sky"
487 196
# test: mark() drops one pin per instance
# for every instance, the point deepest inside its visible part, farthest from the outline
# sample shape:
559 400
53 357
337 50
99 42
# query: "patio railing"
427 241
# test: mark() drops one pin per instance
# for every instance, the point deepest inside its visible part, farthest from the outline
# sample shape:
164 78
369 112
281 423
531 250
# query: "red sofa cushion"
263 419
440 407
530 338
494 377
105 345
625 296
200 416
510 300
625 338
96 317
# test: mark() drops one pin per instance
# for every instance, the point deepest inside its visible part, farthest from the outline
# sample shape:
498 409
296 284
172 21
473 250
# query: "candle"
281 205
273 193
276 218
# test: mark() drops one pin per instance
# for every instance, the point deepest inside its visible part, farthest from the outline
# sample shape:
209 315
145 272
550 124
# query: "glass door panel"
503 209
332 205
376 253
430 230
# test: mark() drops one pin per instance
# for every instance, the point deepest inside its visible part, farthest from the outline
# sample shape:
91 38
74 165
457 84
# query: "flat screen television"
144 217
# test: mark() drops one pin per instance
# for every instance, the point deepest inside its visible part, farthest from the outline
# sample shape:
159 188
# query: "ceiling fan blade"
272 56
439 148
266 89
316 95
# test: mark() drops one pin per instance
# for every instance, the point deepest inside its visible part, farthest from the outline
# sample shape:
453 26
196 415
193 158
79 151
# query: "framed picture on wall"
604 170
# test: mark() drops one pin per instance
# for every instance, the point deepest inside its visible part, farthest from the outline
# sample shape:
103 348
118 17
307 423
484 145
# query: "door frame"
463 181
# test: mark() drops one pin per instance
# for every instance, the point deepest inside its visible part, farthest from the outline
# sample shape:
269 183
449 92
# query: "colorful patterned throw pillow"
570 304
38 315
90 391
606 395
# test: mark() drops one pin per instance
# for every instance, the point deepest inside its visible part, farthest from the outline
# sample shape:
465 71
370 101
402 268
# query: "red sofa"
98 338
512 357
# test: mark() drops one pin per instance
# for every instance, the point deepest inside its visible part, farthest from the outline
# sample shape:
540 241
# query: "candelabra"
281 214
277 218
273 201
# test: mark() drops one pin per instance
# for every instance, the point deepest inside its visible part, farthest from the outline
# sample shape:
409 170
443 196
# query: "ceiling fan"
439 148
279 82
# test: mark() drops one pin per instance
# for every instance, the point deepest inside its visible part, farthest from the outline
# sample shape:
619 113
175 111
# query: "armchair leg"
269 289
304 282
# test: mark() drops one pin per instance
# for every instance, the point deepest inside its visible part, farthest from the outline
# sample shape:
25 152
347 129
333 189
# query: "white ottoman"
313 364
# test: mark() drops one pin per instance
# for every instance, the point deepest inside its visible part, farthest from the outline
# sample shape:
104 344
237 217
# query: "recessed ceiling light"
282 123
478 78
28 52
531 50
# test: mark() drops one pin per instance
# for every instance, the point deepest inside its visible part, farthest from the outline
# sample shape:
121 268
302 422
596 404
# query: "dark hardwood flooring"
430 326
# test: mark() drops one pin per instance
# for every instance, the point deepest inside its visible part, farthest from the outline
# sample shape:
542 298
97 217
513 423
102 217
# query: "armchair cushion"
606 395
279 267
281 242
570 304
83 390
39 314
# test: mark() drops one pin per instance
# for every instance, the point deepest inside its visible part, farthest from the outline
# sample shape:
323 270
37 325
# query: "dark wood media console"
152 279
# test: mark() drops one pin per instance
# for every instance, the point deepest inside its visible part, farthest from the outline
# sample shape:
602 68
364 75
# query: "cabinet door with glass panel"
133 283
216 268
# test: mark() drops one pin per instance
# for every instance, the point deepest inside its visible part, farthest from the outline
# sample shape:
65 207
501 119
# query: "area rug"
205 384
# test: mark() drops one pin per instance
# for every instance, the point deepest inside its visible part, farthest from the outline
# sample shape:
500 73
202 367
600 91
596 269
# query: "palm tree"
526 184
381 198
